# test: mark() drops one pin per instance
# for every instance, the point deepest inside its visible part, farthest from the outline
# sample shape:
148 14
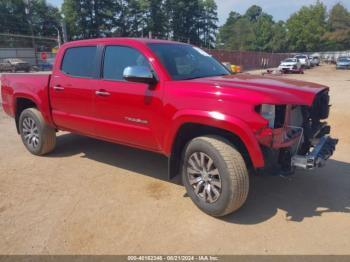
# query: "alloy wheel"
30 132
204 177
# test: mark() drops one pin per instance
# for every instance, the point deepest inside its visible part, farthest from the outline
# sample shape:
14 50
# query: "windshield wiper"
191 78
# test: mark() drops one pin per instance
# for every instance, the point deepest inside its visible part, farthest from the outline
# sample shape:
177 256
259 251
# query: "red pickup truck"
175 99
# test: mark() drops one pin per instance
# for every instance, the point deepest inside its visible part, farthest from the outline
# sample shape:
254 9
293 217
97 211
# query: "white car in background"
304 60
290 65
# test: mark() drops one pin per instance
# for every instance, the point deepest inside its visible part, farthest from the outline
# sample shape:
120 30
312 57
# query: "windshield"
185 62
290 60
344 59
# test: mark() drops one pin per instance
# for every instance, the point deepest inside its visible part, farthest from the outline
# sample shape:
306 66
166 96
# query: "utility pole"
64 31
58 37
29 18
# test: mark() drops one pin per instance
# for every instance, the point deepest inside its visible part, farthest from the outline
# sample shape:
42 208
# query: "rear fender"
43 106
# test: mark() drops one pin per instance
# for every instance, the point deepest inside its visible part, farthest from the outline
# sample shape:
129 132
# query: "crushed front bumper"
318 156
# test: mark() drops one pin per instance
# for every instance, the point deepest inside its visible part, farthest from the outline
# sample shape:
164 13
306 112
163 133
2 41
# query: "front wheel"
38 137
215 175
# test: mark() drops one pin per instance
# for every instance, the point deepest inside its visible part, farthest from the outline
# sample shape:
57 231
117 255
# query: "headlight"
274 114
268 112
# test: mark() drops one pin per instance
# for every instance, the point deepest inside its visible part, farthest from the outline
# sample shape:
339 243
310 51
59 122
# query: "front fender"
217 120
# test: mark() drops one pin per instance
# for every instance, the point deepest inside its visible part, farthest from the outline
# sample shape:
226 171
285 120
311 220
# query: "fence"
27 48
334 55
249 60
26 54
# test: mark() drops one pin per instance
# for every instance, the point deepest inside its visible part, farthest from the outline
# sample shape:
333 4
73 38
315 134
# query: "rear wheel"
38 137
215 175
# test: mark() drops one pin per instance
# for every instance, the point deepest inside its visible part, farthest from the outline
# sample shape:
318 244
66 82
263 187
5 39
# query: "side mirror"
139 74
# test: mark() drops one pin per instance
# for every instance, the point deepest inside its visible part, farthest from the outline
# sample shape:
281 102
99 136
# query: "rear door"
72 90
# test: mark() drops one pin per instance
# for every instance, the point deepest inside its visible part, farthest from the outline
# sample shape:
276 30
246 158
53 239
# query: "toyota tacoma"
172 98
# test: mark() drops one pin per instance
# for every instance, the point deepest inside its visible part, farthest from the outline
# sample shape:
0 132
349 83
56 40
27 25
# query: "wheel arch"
233 130
22 103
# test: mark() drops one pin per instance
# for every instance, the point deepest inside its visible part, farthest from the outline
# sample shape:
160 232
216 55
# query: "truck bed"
26 86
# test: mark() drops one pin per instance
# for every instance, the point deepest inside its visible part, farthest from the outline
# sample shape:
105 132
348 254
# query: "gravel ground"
94 197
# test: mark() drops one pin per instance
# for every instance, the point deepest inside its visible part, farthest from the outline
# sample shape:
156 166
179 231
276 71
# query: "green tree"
157 20
44 18
239 35
88 19
74 16
225 31
279 42
253 13
184 19
208 25
192 20
14 19
338 36
21 17
263 30
252 31
307 27
339 18
131 20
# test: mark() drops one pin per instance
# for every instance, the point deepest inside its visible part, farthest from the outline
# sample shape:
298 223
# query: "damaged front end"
296 136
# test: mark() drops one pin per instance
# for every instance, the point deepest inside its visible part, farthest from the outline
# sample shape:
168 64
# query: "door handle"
102 93
58 88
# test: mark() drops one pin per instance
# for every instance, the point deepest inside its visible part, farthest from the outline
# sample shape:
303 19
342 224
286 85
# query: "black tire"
45 136
232 170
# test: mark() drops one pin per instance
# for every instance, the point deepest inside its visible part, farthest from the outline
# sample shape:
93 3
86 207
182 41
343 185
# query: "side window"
117 58
79 61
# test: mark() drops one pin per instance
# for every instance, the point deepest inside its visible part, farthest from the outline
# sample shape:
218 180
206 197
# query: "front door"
127 112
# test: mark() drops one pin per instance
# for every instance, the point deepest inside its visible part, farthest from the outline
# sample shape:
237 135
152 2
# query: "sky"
279 9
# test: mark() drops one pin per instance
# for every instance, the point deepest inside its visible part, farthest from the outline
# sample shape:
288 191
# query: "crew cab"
172 98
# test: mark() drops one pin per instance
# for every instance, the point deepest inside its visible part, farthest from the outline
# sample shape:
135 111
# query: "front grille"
280 114
320 106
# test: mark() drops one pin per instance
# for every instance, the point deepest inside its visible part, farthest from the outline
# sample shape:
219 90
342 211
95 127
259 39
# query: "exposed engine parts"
300 138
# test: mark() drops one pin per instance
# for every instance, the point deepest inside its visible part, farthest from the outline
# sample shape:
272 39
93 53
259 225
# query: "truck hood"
263 89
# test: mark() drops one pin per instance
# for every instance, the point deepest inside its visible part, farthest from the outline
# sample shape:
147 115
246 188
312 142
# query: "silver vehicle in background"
291 65
304 61
343 62
14 65
316 60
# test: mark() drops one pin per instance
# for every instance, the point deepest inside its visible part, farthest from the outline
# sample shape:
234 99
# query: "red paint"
224 102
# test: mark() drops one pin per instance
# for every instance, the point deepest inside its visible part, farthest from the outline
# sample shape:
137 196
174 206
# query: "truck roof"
116 39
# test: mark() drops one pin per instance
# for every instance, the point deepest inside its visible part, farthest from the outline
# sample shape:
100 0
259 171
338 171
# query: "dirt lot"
93 197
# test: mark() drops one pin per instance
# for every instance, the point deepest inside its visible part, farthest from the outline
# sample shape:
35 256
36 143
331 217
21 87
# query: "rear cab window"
79 61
